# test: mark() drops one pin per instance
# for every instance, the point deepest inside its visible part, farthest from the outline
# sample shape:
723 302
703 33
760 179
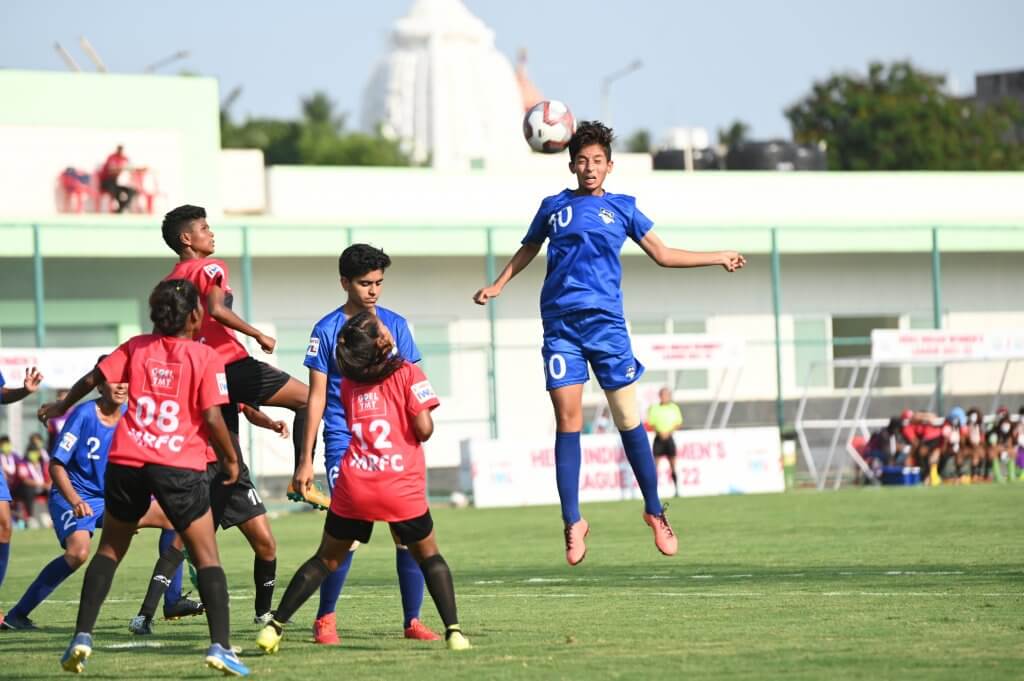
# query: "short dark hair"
177 221
170 304
591 132
359 354
358 259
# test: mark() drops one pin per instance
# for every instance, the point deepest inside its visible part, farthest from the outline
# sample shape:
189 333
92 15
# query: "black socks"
307 580
163 571
439 583
213 589
263 574
98 577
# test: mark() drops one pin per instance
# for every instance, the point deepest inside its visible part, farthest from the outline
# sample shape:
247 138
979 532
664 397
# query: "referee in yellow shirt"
666 418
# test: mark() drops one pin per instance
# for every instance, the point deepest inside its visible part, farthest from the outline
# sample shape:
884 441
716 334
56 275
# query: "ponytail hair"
359 352
170 304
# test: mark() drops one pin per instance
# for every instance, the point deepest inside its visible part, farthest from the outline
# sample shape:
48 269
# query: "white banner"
924 346
687 351
521 472
60 367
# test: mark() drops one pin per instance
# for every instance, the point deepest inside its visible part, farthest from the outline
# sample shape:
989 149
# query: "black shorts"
233 504
183 494
664 447
251 382
929 445
408 531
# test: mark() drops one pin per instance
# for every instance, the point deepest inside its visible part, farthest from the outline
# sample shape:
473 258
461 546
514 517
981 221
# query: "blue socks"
567 474
410 582
330 589
5 553
641 460
49 579
173 593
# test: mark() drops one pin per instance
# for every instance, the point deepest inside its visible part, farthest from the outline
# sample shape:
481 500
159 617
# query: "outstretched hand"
483 295
732 261
32 379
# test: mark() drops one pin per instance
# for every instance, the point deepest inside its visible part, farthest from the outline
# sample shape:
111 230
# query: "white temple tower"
446 91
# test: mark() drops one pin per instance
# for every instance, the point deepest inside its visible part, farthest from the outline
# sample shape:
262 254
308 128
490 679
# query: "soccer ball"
548 126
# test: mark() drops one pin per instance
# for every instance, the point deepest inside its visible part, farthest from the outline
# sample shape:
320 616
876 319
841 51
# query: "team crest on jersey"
314 347
222 384
631 372
213 270
606 215
424 392
370 403
163 377
67 442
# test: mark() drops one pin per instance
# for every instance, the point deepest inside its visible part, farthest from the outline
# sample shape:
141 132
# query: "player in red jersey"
175 389
387 402
250 381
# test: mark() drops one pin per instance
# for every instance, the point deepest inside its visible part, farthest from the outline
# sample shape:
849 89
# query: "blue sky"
705 63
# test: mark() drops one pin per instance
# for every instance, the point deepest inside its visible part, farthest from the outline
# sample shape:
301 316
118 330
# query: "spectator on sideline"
33 478
9 460
665 418
112 168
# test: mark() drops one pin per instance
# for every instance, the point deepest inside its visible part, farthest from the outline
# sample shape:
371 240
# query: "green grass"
860 584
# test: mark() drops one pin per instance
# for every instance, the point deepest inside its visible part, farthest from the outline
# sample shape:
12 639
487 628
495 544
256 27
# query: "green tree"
734 135
639 142
318 138
900 118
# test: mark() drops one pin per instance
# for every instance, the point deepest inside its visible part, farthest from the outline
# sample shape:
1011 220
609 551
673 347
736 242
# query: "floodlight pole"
937 308
777 313
492 350
37 280
606 84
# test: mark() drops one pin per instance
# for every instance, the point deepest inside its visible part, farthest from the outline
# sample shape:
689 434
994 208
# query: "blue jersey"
320 356
2 382
586 234
83 448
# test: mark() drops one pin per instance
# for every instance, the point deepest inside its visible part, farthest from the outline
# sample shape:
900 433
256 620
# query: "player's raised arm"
32 380
80 389
526 253
216 307
666 256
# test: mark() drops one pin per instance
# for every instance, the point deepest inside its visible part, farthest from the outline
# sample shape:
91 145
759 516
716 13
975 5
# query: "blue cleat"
77 653
226 661
15 622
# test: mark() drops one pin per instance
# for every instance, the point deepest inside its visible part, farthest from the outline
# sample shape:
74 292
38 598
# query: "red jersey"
206 273
383 475
171 381
113 166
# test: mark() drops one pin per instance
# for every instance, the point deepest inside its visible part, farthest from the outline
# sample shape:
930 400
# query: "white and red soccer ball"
548 126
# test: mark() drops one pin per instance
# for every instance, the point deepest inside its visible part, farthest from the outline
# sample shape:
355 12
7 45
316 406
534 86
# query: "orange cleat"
420 631
664 538
575 548
325 631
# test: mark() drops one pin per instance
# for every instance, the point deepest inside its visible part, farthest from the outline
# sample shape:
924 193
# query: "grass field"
860 584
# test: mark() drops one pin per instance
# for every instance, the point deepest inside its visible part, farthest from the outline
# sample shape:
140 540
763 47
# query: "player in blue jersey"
361 268
8 395
77 467
581 308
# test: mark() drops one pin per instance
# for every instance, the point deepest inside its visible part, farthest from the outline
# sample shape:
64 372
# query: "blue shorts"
334 452
5 494
590 337
65 522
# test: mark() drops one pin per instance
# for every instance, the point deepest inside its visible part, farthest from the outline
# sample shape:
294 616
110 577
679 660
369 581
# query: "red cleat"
420 631
325 631
575 548
664 538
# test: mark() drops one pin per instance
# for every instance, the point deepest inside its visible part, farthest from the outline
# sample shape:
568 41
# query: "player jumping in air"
249 381
361 269
76 505
581 308
175 390
387 405
7 396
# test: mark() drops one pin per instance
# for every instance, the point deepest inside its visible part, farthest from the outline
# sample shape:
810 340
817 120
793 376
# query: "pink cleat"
420 631
664 538
575 548
325 631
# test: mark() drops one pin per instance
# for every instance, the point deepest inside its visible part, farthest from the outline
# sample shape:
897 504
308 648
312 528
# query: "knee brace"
622 403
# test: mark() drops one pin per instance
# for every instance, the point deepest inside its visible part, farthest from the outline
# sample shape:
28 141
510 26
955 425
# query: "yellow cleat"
455 640
314 496
269 639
